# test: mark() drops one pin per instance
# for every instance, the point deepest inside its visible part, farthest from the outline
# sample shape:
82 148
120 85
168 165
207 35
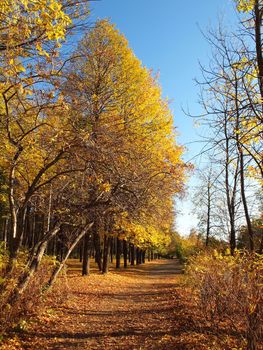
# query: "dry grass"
228 293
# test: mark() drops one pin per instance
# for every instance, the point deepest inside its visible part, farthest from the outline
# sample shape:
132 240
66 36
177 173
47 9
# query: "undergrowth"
228 291
16 317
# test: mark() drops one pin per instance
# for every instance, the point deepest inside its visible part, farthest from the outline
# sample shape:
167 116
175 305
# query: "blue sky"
166 36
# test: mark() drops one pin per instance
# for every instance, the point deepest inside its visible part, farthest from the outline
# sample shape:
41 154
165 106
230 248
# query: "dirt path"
141 308
131 309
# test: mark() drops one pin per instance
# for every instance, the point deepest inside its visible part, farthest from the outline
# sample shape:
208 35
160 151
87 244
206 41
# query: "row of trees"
232 96
88 149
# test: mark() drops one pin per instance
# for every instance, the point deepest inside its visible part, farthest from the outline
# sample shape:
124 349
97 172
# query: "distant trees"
207 203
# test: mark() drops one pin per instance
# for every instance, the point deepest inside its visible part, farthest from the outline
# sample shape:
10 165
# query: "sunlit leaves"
245 5
120 105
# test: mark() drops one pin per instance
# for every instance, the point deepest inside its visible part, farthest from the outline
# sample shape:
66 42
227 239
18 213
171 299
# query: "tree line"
88 148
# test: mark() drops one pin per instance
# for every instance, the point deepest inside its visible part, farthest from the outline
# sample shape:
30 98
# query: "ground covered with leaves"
144 307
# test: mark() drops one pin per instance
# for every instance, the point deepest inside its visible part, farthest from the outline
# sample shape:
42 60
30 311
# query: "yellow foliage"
245 5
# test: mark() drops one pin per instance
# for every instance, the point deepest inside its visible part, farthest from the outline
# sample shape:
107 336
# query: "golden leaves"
245 5
134 124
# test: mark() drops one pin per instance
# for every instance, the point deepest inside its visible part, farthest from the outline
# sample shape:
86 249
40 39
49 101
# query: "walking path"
128 309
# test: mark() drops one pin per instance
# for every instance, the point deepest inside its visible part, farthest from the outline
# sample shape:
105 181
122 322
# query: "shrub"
13 316
3 259
229 289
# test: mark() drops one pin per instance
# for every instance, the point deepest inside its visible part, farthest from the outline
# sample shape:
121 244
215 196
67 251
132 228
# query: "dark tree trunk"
15 242
96 239
208 212
143 256
111 250
27 233
244 200
258 41
118 253
132 250
61 252
260 251
125 251
239 145
81 247
57 270
5 231
54 247
152 255
86 259
35 259
149 255
33 231
230 194
137 256
106 251
129 252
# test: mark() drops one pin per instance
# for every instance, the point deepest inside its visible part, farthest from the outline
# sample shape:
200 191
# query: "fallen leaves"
144 307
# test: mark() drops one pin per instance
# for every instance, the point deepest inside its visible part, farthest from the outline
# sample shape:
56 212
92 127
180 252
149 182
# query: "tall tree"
131 148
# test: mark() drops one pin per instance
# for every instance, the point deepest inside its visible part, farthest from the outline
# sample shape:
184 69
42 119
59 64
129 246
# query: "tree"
207 200
229 104
131 150
31 34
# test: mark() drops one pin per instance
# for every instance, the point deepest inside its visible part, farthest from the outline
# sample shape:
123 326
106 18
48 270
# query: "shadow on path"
132 308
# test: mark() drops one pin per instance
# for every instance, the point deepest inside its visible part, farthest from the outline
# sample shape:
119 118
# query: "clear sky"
166 36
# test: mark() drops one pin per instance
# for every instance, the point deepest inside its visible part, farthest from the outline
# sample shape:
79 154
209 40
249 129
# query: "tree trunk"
57 270
238 143
61 251
96 239
260 251
49 208
231 198
132 250
118 253
149 254
111 250
81 247
5 230
16 238
143 256
33 231
129 252
106 251
32 266
125 253
208 210
152 255
244 200
25 238
137 250
86 258
258 41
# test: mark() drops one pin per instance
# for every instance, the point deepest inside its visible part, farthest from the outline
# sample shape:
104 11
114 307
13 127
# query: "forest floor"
141 307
